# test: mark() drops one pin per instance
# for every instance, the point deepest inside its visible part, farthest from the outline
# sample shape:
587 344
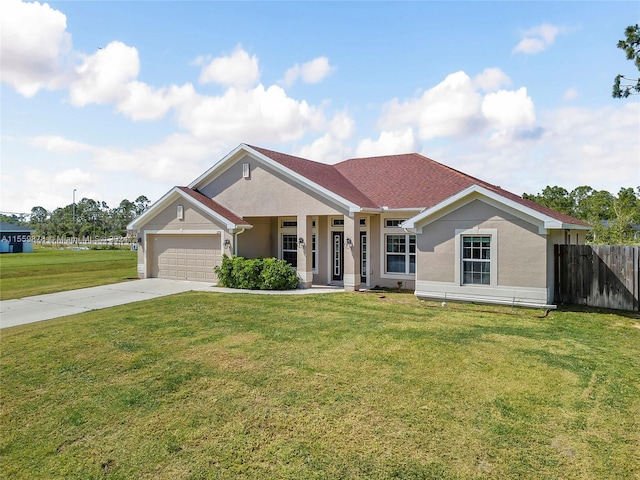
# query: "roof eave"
169 197
546 222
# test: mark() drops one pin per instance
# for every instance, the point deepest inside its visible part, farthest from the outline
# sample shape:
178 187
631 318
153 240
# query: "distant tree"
13 219
591 205
141 204
92 218
556 198
624 86
39 220
613 218
627 204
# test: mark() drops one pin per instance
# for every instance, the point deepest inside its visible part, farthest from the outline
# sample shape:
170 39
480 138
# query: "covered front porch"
325 249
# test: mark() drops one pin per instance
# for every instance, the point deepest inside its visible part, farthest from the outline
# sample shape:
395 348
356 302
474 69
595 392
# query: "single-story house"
15 238
390 221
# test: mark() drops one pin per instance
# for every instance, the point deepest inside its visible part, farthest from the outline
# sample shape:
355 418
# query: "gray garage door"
185 257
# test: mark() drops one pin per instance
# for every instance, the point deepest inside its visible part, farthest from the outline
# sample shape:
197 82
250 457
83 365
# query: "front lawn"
49 270
205 385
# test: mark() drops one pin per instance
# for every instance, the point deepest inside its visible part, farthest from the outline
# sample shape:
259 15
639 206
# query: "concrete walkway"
53 305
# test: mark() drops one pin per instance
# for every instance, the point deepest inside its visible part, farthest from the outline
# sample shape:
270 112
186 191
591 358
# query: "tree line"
615 219
86 218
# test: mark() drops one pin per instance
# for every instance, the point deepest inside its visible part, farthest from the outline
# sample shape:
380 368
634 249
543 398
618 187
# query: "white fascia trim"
402 210
352 207
220 166
364 210
544 221
217 166
171 196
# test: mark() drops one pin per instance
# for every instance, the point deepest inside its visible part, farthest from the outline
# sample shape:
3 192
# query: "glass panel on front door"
337 256
363 257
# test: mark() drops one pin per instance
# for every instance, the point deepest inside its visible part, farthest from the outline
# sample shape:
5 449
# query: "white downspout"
235 241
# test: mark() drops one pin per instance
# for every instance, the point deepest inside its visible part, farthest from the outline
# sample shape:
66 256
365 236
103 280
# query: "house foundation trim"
532 297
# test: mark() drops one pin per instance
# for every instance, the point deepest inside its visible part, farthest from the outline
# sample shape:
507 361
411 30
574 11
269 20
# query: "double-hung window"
476 260
400 253
290 249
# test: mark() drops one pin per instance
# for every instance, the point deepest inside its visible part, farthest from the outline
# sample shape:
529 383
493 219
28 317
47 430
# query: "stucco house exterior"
391 221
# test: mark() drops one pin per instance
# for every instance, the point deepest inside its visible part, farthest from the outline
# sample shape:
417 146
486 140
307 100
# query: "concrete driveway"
53 305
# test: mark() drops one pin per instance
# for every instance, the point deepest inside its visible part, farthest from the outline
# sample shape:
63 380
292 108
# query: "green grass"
47 270
205 385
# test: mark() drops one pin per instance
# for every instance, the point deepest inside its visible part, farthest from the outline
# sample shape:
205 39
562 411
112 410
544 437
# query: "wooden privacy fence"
603 276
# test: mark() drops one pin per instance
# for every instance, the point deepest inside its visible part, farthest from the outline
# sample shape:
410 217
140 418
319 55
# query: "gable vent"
246 172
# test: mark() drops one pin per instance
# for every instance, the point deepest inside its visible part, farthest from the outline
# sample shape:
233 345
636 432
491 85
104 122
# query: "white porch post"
351 253
305 266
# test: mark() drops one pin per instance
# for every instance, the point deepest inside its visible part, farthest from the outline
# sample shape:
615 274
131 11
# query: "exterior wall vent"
180 212
246 171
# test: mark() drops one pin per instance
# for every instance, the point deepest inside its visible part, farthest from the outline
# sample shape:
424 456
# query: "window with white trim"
476 260
290 249
400 254
476 253
394 222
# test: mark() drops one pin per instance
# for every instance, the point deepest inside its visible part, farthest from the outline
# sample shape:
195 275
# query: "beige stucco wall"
167 220
266 193
257 241
522 252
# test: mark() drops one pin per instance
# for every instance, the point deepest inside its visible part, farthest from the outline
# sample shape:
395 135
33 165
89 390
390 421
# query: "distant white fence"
85 241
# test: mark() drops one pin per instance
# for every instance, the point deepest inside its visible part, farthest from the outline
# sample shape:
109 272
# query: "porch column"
351 253
305 255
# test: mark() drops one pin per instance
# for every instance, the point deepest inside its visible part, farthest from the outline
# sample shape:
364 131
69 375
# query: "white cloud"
326 149
456 108
388 143
103 77
509 109
313 71
600 148
176 160
491 79
261 114
341 126
451 108
34 46
236 70
576 146
143 102
570 94
71 178
538 38
57 144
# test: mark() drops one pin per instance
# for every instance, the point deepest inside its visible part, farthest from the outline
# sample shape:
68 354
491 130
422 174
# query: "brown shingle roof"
215 206
414 181
397 181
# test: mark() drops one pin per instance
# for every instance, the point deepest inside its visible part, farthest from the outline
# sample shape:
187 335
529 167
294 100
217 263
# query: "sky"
117 99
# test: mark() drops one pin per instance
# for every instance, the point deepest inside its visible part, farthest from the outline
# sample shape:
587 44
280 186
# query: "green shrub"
277 275
256 274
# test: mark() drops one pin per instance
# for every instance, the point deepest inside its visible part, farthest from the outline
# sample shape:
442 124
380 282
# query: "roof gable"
478 192
322 174
214 209
415 181
319 177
